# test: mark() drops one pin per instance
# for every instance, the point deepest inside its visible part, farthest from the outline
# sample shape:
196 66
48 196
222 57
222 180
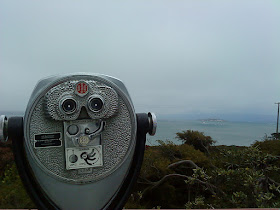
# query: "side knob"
152 123
3 128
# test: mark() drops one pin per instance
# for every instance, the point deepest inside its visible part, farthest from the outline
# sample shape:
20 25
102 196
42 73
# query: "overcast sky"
174 56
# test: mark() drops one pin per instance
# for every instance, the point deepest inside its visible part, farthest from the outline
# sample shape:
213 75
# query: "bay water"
224 132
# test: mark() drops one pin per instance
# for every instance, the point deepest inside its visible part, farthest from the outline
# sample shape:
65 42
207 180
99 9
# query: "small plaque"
49 143
48 136
46 140
84 157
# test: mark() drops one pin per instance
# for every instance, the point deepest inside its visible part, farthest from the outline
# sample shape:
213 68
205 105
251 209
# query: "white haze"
175 57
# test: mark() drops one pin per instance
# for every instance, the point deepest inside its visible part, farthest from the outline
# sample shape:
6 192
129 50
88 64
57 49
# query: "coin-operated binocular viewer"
80 144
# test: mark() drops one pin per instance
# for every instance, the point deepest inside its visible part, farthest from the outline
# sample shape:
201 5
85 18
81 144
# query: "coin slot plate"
84 157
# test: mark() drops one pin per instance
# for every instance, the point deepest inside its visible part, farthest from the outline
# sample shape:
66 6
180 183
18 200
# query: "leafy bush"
268 145
12 192
6 156
196 139
164 161
178 176
246 176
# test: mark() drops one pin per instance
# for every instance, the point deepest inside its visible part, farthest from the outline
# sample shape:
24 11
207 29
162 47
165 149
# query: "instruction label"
46 140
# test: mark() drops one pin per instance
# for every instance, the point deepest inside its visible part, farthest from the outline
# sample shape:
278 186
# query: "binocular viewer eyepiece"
80 144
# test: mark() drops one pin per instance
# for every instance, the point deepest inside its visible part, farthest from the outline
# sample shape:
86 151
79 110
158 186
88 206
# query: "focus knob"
3 128
152 123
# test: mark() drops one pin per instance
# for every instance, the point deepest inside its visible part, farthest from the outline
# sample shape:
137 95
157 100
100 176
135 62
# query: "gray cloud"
173 56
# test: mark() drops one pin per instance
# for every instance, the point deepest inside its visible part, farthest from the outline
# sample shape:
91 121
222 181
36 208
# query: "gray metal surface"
72 140
91 187
67 90
116 141
86 197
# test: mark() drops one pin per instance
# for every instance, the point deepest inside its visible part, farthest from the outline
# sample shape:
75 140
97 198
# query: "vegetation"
197 139
195 174
12 192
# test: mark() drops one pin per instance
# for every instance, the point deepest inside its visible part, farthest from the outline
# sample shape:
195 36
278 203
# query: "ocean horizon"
223 132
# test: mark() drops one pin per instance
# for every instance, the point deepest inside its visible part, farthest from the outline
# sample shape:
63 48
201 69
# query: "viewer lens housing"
69 105
95 103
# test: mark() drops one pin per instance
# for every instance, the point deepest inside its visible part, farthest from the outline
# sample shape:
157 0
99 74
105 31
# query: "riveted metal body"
81 157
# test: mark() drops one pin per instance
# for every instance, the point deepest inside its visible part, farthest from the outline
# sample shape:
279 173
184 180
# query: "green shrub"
6 156
157 164
270 146
12 192
196 139
178 176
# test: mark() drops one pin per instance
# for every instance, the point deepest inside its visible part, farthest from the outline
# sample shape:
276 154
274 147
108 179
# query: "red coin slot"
82 88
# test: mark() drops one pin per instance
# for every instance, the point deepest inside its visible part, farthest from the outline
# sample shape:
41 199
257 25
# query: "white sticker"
84 157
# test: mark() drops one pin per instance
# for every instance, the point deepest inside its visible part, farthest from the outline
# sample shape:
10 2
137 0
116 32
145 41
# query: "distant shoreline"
212 120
